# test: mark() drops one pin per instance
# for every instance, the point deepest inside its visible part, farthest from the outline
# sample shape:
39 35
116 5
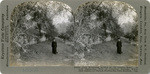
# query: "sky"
61 15
123 17
124 13
148 1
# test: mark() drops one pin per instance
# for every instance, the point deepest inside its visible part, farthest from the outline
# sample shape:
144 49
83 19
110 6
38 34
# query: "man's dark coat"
119 46
54 47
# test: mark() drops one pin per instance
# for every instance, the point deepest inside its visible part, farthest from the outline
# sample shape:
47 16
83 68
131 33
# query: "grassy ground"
41 55
104 54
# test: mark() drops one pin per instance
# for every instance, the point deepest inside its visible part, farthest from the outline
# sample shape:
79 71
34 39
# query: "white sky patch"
28 17
61 21
123 17
127 21
60 14
63 17
128 17
148 1
1 1
93 17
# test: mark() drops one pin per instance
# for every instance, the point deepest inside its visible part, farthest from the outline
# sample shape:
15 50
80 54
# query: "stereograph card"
75 36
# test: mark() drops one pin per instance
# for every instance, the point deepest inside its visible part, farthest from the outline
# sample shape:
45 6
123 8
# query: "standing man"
54 47
119 46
